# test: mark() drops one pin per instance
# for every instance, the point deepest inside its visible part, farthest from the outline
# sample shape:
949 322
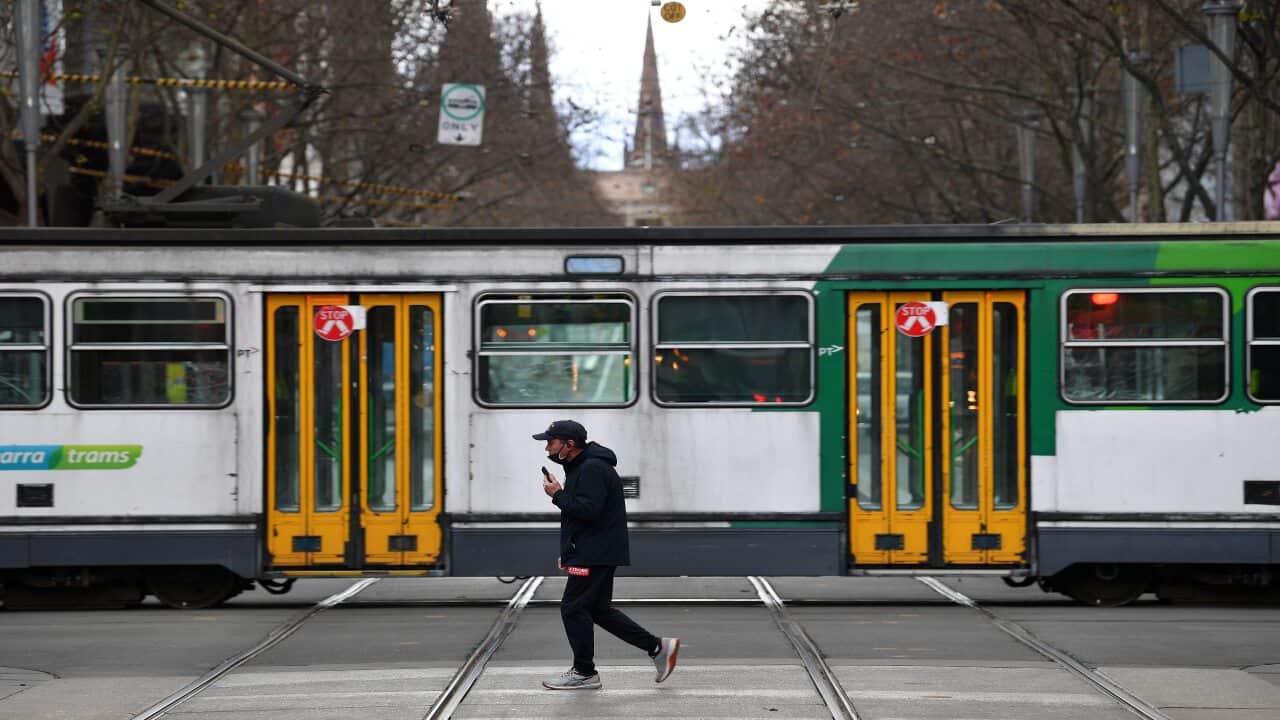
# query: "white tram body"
220 461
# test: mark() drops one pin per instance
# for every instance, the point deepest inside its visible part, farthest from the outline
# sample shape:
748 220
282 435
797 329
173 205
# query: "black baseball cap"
564 430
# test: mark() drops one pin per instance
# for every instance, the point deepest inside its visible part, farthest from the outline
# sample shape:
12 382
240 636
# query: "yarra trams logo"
69 457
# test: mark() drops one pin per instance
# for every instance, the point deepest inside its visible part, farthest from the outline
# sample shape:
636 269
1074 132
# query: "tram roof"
755 235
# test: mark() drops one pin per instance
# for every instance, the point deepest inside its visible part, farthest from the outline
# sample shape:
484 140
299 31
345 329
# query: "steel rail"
470 670
1099 681
820 673
281 632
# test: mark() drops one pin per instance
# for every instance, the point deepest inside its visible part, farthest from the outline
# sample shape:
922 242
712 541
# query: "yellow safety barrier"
135 179
100 145
174 82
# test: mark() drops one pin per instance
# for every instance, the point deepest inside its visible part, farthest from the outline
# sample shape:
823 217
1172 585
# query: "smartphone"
545 474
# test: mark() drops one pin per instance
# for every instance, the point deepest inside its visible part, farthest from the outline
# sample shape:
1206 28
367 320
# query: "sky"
597 49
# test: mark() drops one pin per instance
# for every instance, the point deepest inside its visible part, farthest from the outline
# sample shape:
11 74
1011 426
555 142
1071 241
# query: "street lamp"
1222 33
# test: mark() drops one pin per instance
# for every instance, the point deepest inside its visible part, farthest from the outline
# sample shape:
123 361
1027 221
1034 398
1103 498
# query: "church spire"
649 148
468 53
544 131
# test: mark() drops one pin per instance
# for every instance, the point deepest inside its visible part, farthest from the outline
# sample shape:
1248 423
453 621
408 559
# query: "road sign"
333 322
915 319
461 114
672 12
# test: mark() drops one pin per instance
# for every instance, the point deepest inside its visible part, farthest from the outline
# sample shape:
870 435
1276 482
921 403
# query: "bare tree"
905 112
367 146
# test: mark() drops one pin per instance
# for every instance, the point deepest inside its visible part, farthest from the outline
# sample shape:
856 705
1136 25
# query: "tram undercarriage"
185 587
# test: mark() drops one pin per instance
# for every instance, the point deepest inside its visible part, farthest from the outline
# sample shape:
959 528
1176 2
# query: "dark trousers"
588 600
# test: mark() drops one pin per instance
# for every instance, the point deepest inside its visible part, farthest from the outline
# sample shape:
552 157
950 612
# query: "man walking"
593 543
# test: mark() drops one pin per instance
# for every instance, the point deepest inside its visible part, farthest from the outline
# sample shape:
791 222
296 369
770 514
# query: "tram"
188 412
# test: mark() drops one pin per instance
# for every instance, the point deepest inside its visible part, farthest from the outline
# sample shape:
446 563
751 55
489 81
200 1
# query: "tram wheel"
1104 585
277 587
193 588
1018 582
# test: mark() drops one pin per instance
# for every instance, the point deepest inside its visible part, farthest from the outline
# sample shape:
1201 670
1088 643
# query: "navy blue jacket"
593 517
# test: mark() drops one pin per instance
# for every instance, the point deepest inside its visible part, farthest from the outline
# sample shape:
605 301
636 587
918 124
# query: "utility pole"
252 119
28 21
1080 150
1133 109
117 115
195 65
1222 31
1028 123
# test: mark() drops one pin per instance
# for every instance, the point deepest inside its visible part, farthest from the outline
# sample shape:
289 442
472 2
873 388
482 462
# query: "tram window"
149 351
555 350
733 349
1264 345
1144 346
24 351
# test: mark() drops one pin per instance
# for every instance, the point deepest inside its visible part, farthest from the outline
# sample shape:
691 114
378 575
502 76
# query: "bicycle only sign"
461 114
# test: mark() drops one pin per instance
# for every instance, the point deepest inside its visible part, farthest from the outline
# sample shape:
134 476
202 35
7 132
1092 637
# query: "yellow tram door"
308 438
891 439
400 443
984 506
937 445
353 442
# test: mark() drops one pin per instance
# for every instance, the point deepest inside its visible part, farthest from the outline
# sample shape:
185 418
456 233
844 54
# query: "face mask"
562 457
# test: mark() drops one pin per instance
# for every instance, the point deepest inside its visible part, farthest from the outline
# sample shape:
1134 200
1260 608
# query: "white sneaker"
571 680
665 661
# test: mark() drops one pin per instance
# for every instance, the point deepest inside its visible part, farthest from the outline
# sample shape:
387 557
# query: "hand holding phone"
549 484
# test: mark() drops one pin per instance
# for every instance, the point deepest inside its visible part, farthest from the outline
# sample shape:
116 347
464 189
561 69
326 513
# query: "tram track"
447 701
273 638
824 680
1097 680
820 673
463 680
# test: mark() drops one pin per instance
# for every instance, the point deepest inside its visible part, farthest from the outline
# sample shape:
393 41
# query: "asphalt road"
895 646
